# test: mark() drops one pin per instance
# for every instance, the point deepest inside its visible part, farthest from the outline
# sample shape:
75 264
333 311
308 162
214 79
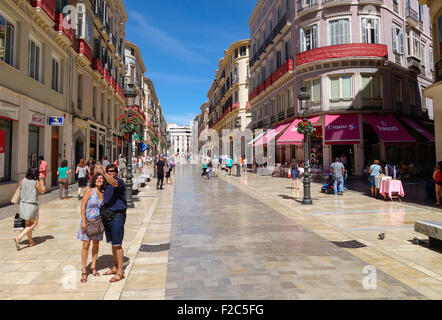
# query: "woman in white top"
83 173
30 188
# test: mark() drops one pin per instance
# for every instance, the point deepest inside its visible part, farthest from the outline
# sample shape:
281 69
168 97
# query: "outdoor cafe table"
378 179
389 188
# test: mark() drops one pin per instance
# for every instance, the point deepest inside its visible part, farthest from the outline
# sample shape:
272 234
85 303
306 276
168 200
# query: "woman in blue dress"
90 210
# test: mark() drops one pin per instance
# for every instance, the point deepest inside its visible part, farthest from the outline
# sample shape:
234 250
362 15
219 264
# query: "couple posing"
108 191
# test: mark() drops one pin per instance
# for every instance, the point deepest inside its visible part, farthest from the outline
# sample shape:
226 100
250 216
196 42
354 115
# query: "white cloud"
165 41
181 119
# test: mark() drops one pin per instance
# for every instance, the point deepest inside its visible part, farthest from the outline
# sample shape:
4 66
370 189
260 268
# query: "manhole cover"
154 247
351 244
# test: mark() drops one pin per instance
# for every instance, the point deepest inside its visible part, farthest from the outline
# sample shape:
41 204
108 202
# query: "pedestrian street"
232 237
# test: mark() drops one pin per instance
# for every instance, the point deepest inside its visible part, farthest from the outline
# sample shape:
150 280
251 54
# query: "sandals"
83 277
108 273
95 273
17 244
117 277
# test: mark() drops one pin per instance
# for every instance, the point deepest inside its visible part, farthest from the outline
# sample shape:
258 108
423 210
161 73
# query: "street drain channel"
155 247
351 244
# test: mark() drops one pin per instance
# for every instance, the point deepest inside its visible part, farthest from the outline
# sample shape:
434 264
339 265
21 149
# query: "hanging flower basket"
306 127
128 125
155 140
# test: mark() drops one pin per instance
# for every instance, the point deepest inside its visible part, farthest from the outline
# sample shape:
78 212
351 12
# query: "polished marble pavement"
226 244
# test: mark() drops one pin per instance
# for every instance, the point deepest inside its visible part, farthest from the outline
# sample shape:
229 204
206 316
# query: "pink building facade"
369 58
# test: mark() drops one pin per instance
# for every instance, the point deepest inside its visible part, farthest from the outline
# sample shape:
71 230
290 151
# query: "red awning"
342 129
291 135
418 128
389 128
271 134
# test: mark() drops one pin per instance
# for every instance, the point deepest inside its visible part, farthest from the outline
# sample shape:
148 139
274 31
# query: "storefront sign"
56 121
389 128
37 119
342 129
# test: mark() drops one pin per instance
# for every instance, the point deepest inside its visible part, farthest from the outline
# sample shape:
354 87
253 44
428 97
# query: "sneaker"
340 193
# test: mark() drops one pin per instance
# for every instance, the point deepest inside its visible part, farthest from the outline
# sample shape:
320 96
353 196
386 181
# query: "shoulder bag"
16 197
95 227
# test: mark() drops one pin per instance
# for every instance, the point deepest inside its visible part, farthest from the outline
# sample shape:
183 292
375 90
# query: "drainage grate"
351 244
154 247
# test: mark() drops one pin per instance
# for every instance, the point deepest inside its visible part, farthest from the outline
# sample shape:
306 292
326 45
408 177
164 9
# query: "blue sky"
181 43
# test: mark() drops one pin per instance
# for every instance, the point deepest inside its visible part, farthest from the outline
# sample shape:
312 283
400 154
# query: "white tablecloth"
378 180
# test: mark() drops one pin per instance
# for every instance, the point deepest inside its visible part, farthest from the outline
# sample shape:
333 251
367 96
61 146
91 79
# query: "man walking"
337 169
229 165
114 199
160 173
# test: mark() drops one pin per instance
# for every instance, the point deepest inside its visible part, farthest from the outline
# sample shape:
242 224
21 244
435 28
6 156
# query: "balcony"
398 106
411 17
69 33
120 91
375 2
414 64
48 6
371 50
306 8
290 112
106 75
272 119
281 116
331 3
279 28
97 65
285 68
85 51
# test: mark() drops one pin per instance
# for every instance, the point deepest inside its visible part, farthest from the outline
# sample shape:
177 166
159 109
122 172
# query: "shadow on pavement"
107 261
38 240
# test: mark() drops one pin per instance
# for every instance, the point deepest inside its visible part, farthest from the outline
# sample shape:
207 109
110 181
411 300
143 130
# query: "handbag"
106 214
16 197
95 227
19 223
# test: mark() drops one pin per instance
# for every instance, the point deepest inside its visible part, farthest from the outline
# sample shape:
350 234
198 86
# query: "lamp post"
130 95
155 127
303 98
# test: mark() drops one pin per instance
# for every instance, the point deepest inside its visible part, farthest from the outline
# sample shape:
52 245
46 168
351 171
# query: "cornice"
256 11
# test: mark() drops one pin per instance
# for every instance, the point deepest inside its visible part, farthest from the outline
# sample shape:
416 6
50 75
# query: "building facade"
229 106
134 78
60 84
180 138
435 91
368 59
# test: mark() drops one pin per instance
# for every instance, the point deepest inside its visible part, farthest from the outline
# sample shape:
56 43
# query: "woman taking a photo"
62 173
437 176
30 188
83 172
90 211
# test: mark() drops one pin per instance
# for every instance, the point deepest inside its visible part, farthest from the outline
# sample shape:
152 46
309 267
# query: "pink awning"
291 135
342 129
389 128
271 134
418 128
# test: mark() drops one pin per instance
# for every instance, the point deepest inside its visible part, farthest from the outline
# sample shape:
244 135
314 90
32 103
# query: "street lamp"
155 127
130 95
303 98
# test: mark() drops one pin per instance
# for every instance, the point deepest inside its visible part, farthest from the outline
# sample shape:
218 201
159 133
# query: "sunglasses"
111 171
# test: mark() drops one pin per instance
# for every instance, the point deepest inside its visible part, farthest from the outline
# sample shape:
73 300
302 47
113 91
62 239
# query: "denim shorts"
372 181
115 230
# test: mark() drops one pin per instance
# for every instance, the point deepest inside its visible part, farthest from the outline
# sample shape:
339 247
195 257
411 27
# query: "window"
34 60
398 40
272 65
279 13
56 78
370 30
102 108
243 51
108 112
236 53
412 97
271 25
281 104
7 37
339 32
314 89
309 38
423 55
371 87
278 59
414 44
340 88
236 97
266 110
398 89
80 92
288 50
290 98
421 13
431 61
272 107
94 102
260 113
